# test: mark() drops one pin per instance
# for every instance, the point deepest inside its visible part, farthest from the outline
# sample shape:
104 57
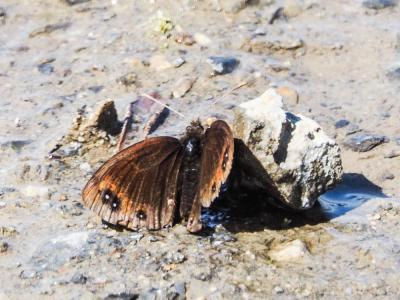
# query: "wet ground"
339 62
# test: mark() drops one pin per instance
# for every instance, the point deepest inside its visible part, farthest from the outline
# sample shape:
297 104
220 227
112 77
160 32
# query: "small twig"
240 85
155 120
165 105
125 127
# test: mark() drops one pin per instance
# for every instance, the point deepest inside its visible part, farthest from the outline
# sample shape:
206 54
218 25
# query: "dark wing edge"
137 187
216 163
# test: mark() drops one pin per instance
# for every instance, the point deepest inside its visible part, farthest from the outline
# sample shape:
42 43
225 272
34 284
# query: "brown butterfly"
162 180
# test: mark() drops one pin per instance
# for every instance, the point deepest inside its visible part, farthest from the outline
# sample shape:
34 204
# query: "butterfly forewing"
137 187
216 163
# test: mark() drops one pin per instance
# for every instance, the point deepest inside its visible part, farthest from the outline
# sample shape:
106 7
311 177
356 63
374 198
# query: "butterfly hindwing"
215 165
137 187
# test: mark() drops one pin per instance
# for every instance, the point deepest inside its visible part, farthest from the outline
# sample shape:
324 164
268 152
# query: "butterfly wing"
137 187
216 163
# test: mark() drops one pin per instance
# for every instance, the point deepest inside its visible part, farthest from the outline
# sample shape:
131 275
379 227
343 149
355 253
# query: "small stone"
137 236
8 231
233 6
289 95
37 191
388 176
185 39
394 73
174 258
202 39
222 65
293 251
160 63
2 204
279 290
178 62
75 2
393 153
182 86
16 145
365 142
79 278
95 88
342 123
293 8
85 167
50 28
378 4
128 79
3 15
45 68
3 246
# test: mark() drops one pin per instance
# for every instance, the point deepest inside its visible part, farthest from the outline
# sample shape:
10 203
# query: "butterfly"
163 180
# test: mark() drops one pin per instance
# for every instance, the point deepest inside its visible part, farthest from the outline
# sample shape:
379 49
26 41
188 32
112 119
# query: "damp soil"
338 61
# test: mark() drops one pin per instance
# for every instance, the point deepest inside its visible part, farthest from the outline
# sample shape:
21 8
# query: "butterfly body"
162 180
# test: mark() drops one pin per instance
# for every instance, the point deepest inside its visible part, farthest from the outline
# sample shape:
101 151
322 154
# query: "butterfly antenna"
163 104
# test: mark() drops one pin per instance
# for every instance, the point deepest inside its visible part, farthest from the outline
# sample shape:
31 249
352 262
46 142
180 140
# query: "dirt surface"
336 61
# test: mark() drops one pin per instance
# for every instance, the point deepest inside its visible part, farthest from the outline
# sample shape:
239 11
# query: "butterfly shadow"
251 202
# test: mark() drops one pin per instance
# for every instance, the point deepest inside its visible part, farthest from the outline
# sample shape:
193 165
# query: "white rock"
160 63
202 39
289 252
182 86
37 191
73 240
298 160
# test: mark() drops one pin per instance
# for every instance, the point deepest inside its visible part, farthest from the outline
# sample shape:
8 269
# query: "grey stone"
182 86
288 155
178 62
222 64
342 123
364 142
378 4
75 2
393 153
393 73
79 278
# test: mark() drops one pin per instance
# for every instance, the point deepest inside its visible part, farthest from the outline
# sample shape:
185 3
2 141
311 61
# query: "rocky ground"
336 62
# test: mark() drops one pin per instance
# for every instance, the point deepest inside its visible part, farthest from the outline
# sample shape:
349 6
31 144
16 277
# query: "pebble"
78 278
74 2
365 142
342 123
128 79
85 167
233 6
185 39
378 4
159 63
202 39
37 191
292 251
289 95
45 68
222 64
96 88
174 258
388 176
2 204
279 290
182 86
394 73
293 8
3 246
393 153
178 62
3 15
16 145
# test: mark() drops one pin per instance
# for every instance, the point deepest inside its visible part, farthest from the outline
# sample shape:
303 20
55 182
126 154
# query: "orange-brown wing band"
137 187
216 163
